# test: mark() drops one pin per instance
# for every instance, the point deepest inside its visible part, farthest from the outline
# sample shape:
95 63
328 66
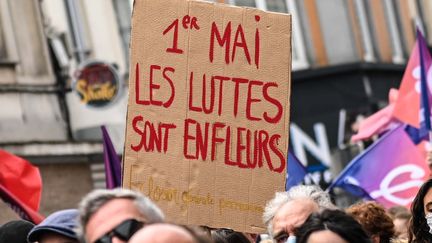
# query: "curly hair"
418 228
374 219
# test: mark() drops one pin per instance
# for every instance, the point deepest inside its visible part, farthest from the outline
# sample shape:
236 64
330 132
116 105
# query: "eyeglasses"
284 237
123 231
281 237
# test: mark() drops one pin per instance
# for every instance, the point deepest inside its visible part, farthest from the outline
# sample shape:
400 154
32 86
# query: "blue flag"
295 173
415 135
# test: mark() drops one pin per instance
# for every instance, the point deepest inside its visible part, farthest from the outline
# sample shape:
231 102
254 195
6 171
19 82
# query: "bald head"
162 233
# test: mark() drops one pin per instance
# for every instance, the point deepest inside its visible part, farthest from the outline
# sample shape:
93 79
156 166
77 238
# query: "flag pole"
429 152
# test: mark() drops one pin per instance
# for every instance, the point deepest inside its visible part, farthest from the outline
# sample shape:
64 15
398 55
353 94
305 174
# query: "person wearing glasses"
288 210
113 216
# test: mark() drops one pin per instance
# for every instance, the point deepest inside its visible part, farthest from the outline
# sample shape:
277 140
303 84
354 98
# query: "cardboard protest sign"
207 128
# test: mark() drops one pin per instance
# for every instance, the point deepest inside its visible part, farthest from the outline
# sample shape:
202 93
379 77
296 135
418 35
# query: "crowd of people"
304 214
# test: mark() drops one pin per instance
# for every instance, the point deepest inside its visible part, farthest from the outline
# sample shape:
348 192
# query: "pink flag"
378 122
407 108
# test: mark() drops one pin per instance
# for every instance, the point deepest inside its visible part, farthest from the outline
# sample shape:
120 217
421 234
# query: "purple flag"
390 171
112 162
425 96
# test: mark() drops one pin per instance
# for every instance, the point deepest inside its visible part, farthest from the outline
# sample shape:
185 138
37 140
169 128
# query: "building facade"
44 45
346 55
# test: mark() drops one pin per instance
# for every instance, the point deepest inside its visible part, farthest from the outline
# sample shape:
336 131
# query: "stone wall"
63 187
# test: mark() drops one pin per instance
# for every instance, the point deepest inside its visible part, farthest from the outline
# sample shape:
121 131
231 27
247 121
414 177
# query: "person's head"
15 231
218 238
331 226
115 214
288 210
162 233
397 240
56 228
201 234
401 223
421 206
228 236
374 219
393 211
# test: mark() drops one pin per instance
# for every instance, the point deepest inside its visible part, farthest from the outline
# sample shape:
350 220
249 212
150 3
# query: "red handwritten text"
188 22
213 103
238 42
252 148
153 137
152 86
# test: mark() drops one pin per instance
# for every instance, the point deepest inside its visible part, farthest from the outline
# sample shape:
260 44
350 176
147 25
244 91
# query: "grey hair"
312 192
93 201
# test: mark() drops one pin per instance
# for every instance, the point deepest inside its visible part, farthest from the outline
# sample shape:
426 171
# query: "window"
299 59
277 6
246 3
394 29
123 14
389 26
2 44
337 32
8 50
78 32
365 30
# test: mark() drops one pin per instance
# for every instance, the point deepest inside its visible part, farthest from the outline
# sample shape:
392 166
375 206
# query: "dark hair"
418 228
228 236
218 238
337 222
374 220
200 234
15 231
